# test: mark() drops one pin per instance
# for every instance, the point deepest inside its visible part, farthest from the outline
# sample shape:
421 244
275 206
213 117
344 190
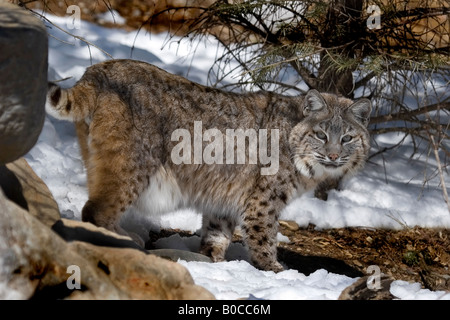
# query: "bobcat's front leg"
260 227
321 191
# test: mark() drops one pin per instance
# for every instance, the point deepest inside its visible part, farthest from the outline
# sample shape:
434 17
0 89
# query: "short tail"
61 104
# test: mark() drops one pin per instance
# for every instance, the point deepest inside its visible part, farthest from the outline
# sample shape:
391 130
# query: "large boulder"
23 78
140 275
35 262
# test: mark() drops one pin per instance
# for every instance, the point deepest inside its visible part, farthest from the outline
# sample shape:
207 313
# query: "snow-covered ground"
389 193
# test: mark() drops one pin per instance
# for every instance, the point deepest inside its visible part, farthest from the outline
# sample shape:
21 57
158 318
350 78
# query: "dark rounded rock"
23 77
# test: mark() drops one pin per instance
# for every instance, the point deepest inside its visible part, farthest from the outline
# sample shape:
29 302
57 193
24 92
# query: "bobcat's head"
332 139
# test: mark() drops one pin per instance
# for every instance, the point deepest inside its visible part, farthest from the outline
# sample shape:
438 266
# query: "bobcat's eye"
347 138
321 135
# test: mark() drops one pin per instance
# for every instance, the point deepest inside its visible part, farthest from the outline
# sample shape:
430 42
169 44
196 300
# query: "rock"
24 243
142 276
359 290
37 263
68 223
23 77
21 185
71 230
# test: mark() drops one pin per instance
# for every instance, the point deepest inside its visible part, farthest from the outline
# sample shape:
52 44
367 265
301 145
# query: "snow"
413 291
237 279
389 193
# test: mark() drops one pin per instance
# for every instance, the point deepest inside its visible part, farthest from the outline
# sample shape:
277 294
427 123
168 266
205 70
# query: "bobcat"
126 112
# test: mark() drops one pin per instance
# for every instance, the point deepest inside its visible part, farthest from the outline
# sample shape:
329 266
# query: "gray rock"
23 78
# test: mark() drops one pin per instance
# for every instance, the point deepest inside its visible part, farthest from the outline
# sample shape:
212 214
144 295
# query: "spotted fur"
125 112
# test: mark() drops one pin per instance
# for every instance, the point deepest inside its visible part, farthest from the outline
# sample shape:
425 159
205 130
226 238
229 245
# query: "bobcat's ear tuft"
313 102
361 110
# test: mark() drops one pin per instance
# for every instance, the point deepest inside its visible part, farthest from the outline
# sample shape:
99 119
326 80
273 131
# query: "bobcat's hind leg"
109 198
108 217
119 162
217 234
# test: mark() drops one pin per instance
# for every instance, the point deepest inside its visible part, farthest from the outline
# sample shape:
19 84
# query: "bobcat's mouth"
332 165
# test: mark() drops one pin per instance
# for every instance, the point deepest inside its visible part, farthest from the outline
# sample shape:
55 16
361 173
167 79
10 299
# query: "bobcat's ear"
313 102
361 110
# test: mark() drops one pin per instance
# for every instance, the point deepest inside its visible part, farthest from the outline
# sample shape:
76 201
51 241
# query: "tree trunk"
343 22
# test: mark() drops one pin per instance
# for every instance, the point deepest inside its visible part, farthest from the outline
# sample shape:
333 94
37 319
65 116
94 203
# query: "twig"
441 173
71 34
411 113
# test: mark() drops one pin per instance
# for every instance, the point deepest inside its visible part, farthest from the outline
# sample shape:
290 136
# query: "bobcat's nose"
333 156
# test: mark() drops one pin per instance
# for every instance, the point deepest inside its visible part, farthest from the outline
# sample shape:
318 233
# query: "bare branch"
410 114
441 173
71 34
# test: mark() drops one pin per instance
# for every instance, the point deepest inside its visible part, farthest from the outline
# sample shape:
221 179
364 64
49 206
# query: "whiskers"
315 164
327 162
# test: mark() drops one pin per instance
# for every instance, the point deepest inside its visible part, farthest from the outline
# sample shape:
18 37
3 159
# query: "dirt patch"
416 254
